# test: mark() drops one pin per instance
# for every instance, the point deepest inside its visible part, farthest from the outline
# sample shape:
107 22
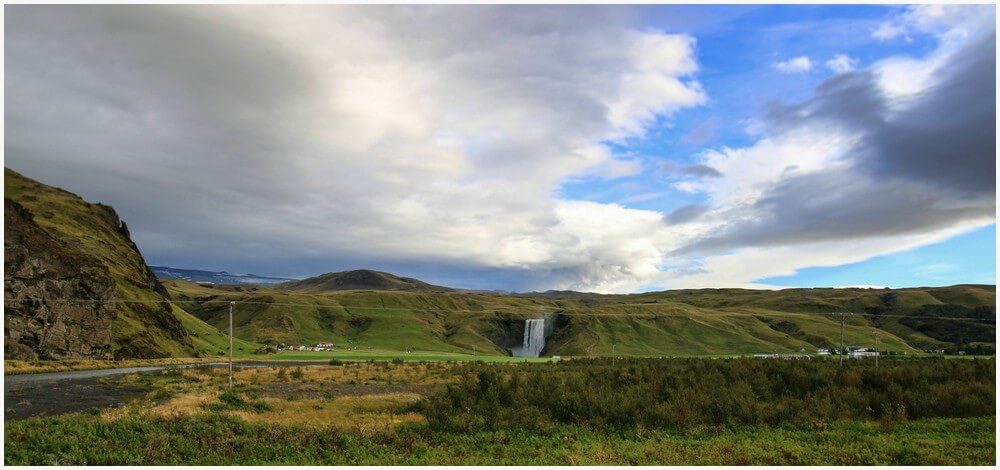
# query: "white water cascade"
534 339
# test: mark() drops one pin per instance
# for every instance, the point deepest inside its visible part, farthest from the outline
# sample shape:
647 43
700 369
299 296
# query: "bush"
692 393
336 362
234 401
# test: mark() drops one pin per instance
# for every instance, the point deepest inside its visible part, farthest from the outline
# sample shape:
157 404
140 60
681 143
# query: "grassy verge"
389 355
11 367
219 439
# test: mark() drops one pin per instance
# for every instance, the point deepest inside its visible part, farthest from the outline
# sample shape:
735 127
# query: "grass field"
215 439
373 413
14 367
389 355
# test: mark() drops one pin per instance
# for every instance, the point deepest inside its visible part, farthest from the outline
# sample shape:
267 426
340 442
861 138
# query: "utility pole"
231 303
875 330
612 353
843 316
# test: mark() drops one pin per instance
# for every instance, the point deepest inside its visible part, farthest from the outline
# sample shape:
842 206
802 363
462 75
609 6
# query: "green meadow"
576 412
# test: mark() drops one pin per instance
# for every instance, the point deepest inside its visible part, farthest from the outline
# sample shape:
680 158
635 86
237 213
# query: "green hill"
689 322
127 318
360 279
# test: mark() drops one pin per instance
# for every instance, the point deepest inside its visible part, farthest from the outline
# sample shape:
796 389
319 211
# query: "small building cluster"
857 352
324 346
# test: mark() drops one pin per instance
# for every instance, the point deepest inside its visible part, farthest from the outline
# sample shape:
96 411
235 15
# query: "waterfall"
534 339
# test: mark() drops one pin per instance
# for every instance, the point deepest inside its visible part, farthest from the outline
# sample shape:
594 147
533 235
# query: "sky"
524 148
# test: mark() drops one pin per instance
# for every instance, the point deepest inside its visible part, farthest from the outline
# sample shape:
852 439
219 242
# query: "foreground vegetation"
637 411
16 367
218 439
687 393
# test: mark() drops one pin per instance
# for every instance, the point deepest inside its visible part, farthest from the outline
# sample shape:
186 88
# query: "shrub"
692 393
234 401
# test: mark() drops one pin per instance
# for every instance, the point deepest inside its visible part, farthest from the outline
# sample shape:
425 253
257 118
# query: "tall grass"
691 393
219 439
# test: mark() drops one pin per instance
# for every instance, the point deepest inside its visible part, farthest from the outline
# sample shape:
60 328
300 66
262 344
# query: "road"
56 393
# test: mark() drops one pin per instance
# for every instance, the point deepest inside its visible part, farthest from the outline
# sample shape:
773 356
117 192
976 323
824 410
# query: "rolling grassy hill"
698 322
360 279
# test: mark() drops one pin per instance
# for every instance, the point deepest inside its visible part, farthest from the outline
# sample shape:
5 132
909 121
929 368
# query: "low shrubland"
574 412
221 439
686 394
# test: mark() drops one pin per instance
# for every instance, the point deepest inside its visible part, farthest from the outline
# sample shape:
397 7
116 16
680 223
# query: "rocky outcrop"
60 247
58 302
146 278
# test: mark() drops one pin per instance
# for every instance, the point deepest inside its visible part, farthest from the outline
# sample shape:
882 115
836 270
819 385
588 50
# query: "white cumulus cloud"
841 63
795 65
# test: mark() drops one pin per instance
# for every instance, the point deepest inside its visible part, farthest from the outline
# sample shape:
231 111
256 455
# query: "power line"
525 309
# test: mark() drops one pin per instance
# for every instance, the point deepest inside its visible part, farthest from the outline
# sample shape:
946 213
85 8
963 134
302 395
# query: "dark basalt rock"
40 273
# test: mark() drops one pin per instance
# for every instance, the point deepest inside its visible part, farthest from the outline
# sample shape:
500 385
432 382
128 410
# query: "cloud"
296 140
702 133
686 213
841 63
863 167
656 85
888 173
741 268
947 22
794 65
432 140
887 31
701 171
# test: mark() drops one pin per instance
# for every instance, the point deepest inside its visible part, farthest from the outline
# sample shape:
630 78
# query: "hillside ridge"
58 246
360 279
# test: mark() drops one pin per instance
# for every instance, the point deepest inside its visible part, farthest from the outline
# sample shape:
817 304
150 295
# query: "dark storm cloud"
946 138
926 168
949 138
169 92
841 205
172 115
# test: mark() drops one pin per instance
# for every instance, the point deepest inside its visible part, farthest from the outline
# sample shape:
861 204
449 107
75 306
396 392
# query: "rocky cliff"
40 274
76 285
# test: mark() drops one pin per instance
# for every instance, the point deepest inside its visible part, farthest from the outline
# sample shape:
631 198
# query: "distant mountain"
572 294
361 279
194 275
